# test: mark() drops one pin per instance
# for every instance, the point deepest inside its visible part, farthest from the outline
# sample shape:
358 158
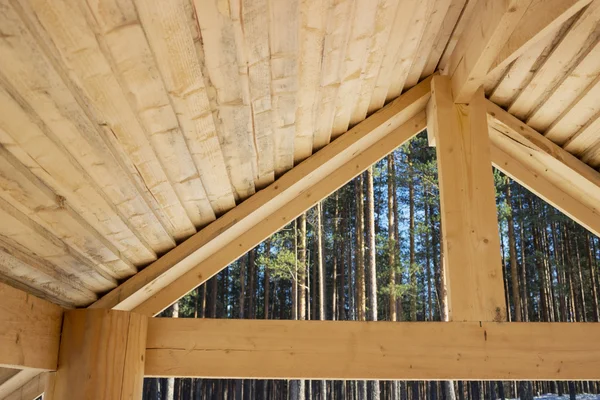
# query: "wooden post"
468 206
102 356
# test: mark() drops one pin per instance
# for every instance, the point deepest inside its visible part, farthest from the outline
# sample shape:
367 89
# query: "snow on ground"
552 396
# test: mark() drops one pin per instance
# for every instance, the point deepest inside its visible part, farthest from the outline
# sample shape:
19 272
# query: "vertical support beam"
471 241
101 356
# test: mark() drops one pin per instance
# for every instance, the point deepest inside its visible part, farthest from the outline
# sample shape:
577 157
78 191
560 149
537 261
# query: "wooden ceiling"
128 125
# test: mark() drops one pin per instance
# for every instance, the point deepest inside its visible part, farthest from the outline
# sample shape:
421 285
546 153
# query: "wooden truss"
104 351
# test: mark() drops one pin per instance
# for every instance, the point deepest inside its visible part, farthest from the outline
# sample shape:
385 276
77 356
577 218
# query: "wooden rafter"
331 350
212 249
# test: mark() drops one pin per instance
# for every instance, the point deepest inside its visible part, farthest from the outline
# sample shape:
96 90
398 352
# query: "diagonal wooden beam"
30 330
216 246
549 171
537 182
275 349
28 387
499 32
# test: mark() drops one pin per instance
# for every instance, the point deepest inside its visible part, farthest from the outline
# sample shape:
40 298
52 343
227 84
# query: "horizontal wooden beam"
29 330
545 168
216 246
372 350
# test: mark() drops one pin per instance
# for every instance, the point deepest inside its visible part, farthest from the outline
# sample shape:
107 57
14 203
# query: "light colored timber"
573 46
312 24
468 206
34 388
337 33
81 52
172 40
490 27
30 332
213 248
51 133
521 71
24 383
283 29
538 183
124 44
362 31
381 40
427 42
540 20
372 350
544 158
41 277
566 95
7 373
101 356
30 195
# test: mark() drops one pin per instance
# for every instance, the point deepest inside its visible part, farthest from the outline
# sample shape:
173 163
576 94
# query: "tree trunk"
170 390
373 385
512 248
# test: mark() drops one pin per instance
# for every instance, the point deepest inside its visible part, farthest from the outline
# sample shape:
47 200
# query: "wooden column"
472 261
102 356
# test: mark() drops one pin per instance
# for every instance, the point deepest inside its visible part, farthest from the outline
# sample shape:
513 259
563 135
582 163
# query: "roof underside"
128 125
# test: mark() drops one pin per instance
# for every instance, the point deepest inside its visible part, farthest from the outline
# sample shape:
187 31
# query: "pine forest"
371 252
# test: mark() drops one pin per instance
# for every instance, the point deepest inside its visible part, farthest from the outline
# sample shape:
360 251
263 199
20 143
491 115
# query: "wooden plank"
468 206
566 95
362 31
380 42
337 33
101 356
24 383
28 194
542 187
253 17
574 118
398 40
372 350
30 330
490 27
173 41
422 14
198 258
456 9
544 158
50 132
573 47
522 71
34 239
121 37
591 154
540 20
41 277
312 23
283 28
77 50
435 21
